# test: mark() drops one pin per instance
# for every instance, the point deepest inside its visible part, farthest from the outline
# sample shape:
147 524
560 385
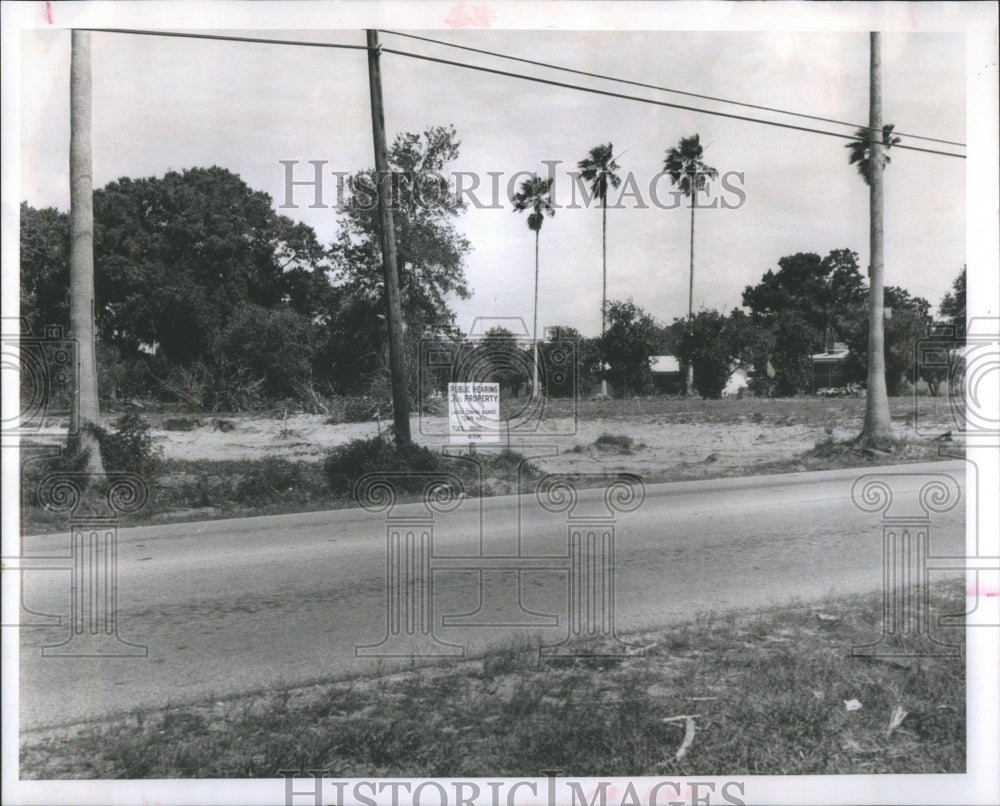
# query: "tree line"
207 296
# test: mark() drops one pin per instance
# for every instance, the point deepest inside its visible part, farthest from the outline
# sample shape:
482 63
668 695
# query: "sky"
168 104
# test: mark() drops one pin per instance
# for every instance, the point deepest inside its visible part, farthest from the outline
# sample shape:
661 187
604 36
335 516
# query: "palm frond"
861 149
598 168
686 167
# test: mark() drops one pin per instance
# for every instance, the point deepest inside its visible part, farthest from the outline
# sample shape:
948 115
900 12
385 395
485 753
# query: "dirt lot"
666 433
230 465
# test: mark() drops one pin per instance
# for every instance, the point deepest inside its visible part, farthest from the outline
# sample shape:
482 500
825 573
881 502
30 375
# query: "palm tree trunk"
534 326
85 410
878 424
690 369
604 285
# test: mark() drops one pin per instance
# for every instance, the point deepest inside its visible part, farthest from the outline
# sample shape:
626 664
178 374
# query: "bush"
615 442
271 478
226 387
345 464
129 448
121 378
507 463
276 345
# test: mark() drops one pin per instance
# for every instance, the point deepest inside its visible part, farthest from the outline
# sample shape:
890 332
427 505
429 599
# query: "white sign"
474 412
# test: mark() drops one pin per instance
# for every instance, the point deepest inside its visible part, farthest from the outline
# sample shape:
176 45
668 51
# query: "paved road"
232 606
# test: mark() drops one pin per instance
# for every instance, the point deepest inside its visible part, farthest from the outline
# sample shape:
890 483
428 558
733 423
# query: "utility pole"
394 312
878 424
85 409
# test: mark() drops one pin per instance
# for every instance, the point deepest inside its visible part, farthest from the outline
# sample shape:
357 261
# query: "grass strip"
771 693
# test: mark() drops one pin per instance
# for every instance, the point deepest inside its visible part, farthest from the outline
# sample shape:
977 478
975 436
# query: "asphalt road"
233 606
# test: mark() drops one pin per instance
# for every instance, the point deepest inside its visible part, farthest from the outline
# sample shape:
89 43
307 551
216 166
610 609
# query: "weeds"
619 443
346 464
768 689
129 448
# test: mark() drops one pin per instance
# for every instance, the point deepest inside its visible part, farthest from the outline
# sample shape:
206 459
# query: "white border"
978 21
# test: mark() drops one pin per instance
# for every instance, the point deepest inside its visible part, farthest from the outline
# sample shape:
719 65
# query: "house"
829 367
668 378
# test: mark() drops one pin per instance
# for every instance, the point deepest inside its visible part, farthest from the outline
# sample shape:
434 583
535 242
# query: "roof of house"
830 358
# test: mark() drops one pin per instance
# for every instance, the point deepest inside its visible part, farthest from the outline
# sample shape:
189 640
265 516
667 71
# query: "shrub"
270 479
129 448
276 345
507 462
615 442
121 378
345 464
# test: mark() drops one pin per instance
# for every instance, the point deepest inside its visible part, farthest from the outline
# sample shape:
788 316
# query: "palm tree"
688 171
598 168
861 149
86 409
868 153
535 195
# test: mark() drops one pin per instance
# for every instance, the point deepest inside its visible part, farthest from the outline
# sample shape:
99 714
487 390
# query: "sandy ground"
658 445
661 443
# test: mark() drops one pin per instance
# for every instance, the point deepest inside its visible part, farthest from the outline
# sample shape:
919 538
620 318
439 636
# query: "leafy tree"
44 267
705 344
820 290
790 360
431 254
180 256
907 322
535 194
499 351
689 172
714 345
183 262
799 304
566 351
631 337
277 344
952 307
598 168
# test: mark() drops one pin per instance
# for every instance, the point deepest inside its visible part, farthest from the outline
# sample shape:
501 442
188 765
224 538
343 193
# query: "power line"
508 74
659 88
223 38
667 104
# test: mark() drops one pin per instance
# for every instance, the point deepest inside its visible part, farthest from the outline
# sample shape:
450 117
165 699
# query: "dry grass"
768 691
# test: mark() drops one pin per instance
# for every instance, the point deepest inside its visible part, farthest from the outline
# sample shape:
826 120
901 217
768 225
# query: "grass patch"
206 490
768 689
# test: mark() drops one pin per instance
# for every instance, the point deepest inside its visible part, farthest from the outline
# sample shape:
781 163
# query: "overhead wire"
644 85
521 76
652 101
